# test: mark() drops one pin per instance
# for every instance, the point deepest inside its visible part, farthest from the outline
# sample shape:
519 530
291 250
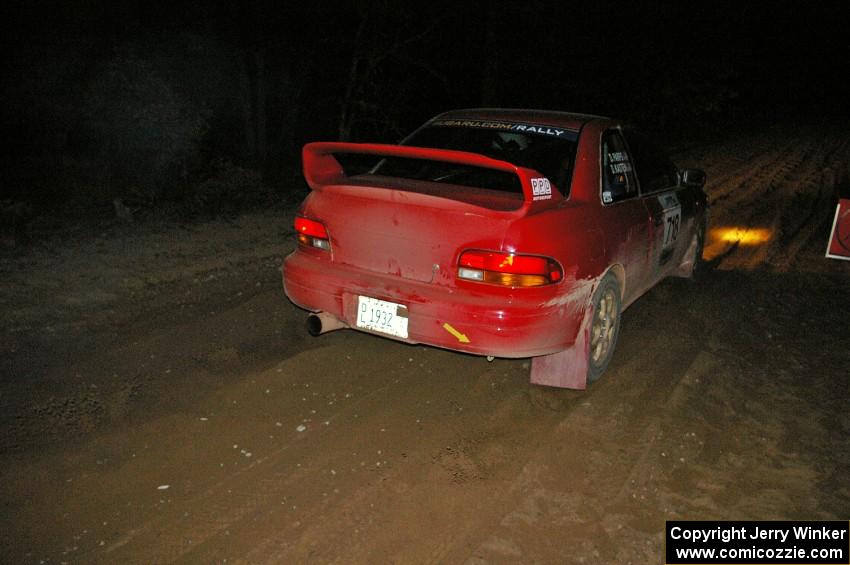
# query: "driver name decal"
619 162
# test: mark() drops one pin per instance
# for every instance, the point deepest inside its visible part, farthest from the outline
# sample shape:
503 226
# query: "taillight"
508 269
312 233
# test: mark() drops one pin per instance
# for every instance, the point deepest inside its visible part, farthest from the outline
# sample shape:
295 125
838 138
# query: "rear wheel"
605 326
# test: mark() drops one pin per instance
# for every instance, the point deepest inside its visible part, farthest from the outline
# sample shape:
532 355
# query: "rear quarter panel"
572 231
623 228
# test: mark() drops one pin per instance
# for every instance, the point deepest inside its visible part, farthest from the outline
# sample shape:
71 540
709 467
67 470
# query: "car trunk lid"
412 229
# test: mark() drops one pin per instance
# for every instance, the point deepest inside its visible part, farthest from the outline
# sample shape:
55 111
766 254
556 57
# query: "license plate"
382 316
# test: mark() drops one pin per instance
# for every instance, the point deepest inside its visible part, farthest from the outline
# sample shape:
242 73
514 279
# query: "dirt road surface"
161 401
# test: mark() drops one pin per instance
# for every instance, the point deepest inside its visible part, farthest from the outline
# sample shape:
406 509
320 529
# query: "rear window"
449 173
545 149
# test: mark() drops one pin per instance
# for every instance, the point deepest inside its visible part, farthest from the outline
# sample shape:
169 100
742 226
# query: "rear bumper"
526 323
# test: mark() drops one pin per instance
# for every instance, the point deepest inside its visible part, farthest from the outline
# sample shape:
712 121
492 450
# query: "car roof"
566 120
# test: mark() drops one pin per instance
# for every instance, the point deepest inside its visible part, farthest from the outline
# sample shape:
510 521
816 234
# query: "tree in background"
146 135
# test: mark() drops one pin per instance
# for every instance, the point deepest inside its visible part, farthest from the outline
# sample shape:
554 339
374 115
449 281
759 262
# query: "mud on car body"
496 232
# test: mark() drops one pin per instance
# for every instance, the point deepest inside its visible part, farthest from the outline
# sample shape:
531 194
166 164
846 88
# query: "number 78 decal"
672 218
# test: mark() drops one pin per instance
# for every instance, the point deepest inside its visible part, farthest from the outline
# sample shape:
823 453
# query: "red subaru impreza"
504 233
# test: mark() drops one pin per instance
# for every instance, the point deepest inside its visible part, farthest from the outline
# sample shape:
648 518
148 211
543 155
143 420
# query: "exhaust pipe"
322 322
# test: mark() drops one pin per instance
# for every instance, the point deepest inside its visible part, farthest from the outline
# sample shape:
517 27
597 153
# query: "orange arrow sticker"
460 337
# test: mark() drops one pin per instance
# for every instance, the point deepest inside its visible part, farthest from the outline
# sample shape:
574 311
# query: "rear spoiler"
322 168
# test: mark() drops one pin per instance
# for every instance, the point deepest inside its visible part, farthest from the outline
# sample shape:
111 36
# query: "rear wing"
322 168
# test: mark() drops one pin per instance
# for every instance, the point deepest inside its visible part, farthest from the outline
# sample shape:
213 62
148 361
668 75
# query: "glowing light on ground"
742 235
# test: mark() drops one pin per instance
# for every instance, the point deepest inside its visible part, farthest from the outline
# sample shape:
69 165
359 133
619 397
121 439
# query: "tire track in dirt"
582 417
448 471
765 204
691 426
254 503
462 458
752 174
824 184
764 215
546 522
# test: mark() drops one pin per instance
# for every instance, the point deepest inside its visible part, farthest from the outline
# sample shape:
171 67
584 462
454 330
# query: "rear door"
671 207
628 225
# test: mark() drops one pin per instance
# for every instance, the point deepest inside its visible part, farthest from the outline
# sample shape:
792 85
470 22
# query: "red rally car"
496 232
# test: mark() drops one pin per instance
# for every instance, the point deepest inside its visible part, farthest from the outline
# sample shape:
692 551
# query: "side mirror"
692 177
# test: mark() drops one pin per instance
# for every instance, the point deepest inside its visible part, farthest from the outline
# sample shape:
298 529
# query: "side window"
618 177
654 169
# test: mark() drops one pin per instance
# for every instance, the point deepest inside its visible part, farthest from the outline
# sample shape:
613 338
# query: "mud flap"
567 368
686 267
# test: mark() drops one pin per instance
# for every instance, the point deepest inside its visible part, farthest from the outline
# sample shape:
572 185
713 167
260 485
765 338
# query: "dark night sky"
96 86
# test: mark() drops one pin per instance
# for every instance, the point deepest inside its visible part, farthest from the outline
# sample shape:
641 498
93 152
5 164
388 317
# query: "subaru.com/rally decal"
507 126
